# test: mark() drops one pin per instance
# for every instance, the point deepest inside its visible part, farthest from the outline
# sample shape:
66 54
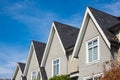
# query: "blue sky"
24 20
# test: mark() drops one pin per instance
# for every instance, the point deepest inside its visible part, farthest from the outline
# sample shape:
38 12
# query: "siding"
33 66
19 74
56 51
105 54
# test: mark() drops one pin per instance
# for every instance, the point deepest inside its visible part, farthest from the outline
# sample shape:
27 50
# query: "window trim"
96 75
32 72
95 61
53 65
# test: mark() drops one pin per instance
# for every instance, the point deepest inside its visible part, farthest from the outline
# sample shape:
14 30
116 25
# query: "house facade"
79 53
97 43
32 69
58 51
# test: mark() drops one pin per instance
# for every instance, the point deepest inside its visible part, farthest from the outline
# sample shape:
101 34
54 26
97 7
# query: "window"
92 50
34 75
56 65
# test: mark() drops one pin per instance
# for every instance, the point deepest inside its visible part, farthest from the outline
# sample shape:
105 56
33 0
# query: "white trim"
96 75
95 38
36 73
53 65
74 75
59 40
50 38
82 30
28 59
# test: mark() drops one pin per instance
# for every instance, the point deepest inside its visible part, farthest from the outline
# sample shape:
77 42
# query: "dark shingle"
106 22
68 34
43 73
39 49
22 66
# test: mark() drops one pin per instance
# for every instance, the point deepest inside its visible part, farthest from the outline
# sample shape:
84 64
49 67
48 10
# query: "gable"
88 14
104 54
48 45
18 74
56 52
33 66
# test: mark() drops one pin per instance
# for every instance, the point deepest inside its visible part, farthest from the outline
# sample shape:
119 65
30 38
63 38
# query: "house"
98 42
17 75
58 51
32 69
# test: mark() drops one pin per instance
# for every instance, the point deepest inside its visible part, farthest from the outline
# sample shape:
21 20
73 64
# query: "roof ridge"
102 12
65 24
35 41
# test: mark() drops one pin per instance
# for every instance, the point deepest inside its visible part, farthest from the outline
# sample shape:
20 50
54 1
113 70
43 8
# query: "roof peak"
34 41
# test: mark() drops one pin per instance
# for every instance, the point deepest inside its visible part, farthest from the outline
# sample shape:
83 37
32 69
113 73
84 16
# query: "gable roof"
68 34
39 48
104 22
21 66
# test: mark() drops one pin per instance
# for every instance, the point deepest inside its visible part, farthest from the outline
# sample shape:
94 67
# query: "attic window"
92 49
56 67
34 75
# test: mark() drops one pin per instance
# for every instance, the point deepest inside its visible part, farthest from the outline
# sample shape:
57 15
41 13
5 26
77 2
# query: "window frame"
53 66
87 55
36 74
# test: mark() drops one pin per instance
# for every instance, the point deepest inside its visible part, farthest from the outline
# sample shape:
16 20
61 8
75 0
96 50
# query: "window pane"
94 42
89 44
34 74
56 67
90 54
95 53
54 62
57 61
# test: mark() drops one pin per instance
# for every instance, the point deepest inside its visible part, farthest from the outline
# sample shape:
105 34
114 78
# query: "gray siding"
33 66
105 54
56 51
19 74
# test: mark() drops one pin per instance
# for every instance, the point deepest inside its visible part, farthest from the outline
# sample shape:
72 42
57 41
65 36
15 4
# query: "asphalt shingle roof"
22 66
43 73
106 22
39 49
68 34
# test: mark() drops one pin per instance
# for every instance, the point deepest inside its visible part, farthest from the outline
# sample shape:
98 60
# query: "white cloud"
9 57
114 8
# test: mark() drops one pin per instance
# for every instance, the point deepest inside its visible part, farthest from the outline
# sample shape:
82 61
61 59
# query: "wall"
56 51
105 54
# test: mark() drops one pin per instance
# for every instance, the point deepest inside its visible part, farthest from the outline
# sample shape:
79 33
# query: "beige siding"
105 54
56 51
72 64
33 66
19 74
